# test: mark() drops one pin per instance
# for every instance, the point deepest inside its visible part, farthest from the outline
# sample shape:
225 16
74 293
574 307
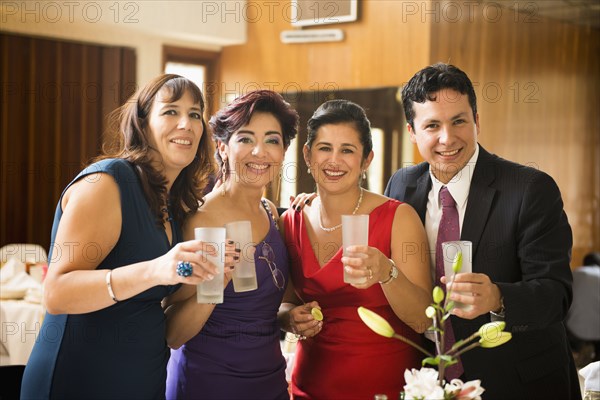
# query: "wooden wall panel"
538 101
383 48
537 80
55 95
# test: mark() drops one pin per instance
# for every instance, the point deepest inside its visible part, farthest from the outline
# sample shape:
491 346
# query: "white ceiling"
581 12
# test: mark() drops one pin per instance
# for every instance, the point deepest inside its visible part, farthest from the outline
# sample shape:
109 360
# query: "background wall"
536 78
142 25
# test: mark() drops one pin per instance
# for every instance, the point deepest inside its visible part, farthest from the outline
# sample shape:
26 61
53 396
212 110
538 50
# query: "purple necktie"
448 231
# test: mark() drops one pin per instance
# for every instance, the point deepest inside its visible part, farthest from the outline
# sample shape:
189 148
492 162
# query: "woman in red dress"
340 357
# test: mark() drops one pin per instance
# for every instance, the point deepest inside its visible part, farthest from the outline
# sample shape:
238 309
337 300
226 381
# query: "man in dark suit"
521 239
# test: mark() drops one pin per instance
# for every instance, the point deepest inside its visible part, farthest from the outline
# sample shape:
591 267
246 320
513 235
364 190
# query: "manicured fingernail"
238 250
307 201
297 208
230 242
236 258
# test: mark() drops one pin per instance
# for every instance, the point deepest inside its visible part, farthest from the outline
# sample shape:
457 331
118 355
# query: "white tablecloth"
20 323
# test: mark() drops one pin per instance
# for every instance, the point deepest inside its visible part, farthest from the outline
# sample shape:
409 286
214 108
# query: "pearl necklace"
333 228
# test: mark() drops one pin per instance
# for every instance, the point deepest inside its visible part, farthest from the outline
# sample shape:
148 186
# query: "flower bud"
491 330
375 322
457 263
430 312
438 295
488 343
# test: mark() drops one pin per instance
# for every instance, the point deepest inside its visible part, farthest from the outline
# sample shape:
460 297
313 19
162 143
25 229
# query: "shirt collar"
459 185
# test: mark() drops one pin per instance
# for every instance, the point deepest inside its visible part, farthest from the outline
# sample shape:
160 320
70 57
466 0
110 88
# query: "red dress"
346 360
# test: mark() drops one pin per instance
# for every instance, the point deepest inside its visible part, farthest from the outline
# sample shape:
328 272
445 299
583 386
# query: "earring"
278 186
364 174
308 170
223 176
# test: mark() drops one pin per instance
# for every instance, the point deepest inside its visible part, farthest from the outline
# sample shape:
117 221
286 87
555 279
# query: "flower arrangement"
427 383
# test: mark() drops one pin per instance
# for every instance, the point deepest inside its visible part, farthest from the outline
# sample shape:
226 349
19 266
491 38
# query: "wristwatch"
499 315
393 273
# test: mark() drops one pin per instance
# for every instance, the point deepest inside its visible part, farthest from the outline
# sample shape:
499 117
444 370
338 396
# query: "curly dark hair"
339 112
239 112
128 126
430 80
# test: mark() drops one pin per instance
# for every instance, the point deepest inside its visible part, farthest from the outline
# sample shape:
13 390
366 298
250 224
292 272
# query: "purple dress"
237 353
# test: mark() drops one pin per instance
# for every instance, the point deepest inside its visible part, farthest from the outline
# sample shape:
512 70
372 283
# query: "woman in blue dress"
232 350
115 252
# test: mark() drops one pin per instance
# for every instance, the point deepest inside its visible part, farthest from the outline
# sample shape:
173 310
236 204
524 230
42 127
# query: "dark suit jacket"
522 241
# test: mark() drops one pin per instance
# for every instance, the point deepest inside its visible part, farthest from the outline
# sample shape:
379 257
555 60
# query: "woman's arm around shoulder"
92 220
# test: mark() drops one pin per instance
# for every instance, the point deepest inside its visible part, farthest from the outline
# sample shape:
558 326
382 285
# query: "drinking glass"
450 250
355 232
212 291
244 274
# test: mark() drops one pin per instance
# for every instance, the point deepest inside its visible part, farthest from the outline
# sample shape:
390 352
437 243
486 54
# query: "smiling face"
445 132
255 151
174 132
335 157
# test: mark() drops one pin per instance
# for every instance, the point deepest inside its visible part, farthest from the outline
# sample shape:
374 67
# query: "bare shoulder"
98 187
373 200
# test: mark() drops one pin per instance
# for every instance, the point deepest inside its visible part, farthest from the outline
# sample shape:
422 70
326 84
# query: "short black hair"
430 80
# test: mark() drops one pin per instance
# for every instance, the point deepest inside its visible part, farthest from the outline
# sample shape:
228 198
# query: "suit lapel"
416 194
481 196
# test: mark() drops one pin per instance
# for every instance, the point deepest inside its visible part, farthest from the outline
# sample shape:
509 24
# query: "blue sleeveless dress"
119 352
237 354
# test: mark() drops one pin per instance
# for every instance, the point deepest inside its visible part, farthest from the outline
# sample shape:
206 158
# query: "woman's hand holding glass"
366 262
192 252
303 322
232 257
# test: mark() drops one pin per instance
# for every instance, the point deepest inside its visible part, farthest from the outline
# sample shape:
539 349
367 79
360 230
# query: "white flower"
422 384
471 390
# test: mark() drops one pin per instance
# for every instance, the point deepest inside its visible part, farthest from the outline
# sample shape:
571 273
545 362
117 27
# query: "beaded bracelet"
109 287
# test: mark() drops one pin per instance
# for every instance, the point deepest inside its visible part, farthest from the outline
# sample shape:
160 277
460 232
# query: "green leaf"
430 361
450 305
446 358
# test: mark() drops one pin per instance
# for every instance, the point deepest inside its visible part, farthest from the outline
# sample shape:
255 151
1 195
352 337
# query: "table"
20 323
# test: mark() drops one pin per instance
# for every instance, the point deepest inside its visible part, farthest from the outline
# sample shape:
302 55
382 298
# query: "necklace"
333 228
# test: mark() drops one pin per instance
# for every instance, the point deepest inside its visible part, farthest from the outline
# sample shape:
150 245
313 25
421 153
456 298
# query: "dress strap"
266 206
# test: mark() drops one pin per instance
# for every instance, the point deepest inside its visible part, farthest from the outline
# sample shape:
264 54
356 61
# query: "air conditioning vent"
312 35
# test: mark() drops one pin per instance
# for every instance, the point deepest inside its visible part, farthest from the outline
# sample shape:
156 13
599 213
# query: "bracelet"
109 287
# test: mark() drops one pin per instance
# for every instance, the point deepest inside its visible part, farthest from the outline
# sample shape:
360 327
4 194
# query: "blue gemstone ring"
184 268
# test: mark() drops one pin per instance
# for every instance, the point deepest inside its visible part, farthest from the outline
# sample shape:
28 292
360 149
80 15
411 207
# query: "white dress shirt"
458 187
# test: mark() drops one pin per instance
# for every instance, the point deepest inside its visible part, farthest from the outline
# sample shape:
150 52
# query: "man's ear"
411 132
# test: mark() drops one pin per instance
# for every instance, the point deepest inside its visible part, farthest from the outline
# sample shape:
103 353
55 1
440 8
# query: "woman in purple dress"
231 350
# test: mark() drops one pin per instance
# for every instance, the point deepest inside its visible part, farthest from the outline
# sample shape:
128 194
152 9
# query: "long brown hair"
130 142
